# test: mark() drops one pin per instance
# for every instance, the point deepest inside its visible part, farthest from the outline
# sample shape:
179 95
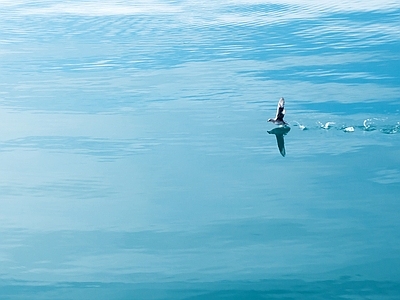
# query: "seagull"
280 113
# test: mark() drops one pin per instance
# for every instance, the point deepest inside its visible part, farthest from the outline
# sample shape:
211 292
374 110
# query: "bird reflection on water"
279 133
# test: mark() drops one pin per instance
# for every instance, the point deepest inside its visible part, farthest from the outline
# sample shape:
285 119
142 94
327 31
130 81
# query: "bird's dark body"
280 113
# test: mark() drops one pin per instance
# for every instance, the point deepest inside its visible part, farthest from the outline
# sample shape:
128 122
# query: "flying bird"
280 113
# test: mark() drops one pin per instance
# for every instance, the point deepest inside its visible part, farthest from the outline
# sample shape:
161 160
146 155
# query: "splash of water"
349 129
383 125
301 126
369 124
327 125
391 129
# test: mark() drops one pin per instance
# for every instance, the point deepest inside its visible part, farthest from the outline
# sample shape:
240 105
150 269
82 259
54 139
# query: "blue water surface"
137 161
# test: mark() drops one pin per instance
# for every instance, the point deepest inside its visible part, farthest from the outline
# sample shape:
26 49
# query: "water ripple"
391 176
70 189
102 148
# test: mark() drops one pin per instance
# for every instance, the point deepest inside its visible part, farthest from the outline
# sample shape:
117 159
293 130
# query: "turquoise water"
137 161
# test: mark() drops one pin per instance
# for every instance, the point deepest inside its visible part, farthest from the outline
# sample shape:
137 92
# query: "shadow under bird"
279 133
283 129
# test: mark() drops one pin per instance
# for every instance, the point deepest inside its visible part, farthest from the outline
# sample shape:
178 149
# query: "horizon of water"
138 161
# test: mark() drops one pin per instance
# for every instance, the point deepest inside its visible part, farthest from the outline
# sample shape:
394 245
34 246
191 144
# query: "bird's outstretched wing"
280 111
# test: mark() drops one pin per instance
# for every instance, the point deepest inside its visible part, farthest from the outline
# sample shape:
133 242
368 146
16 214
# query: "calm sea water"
137 162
